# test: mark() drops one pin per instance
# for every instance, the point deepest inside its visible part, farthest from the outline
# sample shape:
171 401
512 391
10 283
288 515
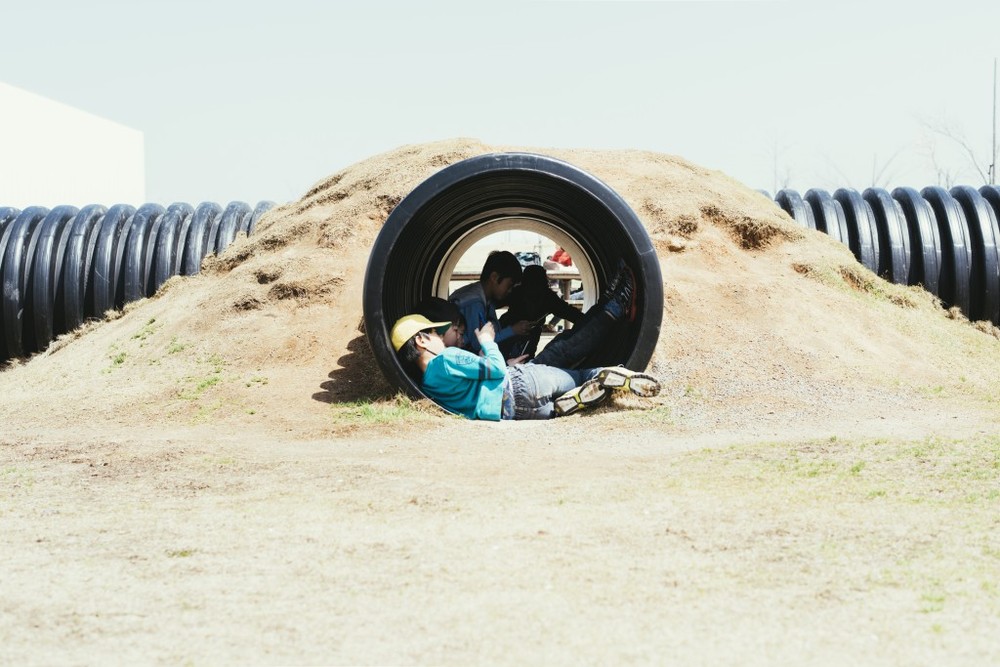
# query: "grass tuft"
391 411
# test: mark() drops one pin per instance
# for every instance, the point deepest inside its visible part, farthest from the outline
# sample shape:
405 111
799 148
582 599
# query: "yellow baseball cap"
407 327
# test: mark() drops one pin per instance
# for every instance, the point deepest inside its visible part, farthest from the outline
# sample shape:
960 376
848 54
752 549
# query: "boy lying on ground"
484 387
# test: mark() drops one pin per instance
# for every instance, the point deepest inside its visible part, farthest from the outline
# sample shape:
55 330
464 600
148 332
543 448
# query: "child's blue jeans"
536 386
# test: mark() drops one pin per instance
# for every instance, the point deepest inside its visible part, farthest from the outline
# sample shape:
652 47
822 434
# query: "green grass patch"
147 330
691 391
219 461
939 471
918 515
180 553
216 362
932 602
859 281
116 357
206 411
11 476
660 414
195 386
380 413
257 380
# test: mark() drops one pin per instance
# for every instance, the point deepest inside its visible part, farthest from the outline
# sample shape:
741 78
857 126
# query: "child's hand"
522 328
486 333
514 361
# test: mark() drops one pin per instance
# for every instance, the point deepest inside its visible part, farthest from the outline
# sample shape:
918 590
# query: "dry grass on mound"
760 315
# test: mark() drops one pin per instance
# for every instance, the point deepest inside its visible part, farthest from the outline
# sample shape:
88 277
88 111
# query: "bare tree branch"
781 174
956 136
945 177
880 177
843 177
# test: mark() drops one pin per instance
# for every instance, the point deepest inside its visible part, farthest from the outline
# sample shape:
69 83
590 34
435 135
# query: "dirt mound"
763 320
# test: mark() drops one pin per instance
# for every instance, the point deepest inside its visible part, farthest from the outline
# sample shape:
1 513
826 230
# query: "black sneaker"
616 280
622 303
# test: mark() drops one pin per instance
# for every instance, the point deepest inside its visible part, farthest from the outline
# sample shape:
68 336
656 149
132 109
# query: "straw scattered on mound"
760 315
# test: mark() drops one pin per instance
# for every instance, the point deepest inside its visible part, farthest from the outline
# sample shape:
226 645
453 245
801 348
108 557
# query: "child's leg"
573 346
536 387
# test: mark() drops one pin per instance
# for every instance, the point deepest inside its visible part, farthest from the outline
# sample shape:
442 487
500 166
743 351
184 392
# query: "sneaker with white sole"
619 378
588 394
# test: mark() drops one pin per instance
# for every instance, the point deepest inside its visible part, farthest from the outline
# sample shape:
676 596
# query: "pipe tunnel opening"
517 234
416 252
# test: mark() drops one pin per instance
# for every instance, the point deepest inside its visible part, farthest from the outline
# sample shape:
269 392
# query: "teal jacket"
466 383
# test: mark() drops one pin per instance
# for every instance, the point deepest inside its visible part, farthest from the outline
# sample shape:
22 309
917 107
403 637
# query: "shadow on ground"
357 379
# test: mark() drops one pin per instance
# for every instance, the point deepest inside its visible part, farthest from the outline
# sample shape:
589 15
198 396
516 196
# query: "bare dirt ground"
220 475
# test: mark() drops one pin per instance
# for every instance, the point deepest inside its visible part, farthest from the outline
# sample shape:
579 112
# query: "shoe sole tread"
623 379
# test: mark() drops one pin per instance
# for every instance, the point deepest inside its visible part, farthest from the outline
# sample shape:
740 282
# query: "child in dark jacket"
533 300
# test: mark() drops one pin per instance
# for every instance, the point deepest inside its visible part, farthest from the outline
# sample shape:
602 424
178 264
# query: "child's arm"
494 360
475 317
506 332
519 328
491 353
558 307
491 365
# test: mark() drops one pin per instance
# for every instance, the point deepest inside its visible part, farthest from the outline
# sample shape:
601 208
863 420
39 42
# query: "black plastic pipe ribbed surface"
62 266
946 240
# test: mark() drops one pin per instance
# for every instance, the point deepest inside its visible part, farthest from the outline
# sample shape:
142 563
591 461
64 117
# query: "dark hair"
437 309
409 358
535 277
504 263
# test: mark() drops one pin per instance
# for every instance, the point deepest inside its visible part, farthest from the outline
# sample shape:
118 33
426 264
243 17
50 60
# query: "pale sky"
249 100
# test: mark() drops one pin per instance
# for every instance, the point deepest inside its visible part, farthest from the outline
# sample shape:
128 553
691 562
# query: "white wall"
51 153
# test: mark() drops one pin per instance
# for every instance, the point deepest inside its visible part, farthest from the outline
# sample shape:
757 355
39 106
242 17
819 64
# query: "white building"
51 154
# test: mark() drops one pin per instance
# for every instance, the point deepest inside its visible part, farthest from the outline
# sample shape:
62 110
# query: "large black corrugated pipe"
62 266
429 231
948 241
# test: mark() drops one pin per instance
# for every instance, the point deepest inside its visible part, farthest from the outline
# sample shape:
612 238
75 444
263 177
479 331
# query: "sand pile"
763 320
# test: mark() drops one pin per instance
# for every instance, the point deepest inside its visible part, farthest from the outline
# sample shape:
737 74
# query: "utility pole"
993 164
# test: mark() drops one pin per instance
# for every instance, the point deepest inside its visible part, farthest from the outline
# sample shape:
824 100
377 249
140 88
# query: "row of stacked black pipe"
946 240
64 265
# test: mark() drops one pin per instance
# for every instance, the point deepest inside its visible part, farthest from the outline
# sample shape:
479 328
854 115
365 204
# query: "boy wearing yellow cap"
484 387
